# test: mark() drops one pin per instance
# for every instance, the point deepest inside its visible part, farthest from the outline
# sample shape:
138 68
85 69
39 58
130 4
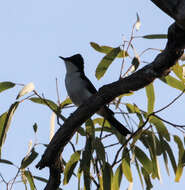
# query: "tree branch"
159 67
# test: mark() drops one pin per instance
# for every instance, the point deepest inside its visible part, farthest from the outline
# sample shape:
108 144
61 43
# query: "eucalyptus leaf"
144 160
29 159
107 49
173 82
107 176
6 85
5 121
106 62
155 36
150 97
70 166
45 102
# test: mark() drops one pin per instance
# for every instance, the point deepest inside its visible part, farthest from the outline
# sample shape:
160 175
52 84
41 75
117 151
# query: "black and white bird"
80 88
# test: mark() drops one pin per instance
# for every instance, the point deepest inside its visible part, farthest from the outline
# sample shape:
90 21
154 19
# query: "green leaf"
86 162
100 150
29 159
101 121
167 147
6 162
135 64
180 166
178 70
107 176
45 102
117 179
6 85
65 103
145 161
150 97
147 179
155 36
132 108
139 173
161 128
5 120
70 166
90 127
40 179
30 179
126 169
150 143
106 62
165 158
35 127
107 49
173 82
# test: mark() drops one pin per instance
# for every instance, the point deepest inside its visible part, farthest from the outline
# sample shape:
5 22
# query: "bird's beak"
63 58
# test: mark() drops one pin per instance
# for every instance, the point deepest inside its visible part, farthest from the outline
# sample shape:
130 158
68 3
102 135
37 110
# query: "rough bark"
159 67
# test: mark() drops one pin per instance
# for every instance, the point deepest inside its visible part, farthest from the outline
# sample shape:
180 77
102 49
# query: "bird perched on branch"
80 88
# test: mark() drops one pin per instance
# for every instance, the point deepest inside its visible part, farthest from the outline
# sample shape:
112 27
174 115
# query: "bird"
80 88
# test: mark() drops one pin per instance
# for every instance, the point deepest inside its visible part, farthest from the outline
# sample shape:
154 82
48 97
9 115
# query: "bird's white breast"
76 88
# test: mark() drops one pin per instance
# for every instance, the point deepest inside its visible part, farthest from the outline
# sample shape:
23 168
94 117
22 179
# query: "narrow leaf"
178 70
169 151
86 161
147 179
5 120
107 176
173 82
143 158
155 36
139 173
135 64
161 128
29 159
100 150
138 22
6 85
180 166
117 179
150 97
40 179
165 158
106 62
107 49
45 102
65 103
6 162
35 127
30 179
126 169
26 89
70 166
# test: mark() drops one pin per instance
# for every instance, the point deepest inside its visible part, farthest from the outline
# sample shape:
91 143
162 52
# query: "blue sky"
34 33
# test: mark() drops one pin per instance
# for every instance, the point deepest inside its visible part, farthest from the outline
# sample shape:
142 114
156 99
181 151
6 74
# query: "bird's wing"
88 84
93 90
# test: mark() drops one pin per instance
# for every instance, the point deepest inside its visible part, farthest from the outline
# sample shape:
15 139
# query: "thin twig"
126 142
111 145
57 90
170 103
170 123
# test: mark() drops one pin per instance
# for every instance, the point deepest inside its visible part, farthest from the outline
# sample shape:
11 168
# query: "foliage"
140 152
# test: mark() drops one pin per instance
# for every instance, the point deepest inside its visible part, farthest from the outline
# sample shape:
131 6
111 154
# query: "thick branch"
160 66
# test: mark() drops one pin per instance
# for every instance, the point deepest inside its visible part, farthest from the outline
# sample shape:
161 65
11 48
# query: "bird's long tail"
109 116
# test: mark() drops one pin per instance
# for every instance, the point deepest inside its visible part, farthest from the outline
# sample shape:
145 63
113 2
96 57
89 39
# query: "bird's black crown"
76 59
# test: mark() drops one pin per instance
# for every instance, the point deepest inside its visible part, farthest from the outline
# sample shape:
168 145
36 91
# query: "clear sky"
34 33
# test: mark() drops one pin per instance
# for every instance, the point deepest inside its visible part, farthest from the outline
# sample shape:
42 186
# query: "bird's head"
73 63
